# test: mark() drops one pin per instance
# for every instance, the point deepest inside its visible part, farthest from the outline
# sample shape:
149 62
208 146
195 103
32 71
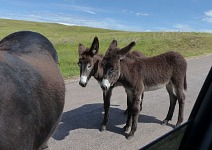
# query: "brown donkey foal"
145 74
90 65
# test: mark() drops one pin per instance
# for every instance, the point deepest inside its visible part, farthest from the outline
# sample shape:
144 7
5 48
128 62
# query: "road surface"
83 114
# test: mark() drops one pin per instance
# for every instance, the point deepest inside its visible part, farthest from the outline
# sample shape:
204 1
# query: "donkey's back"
32 91
28 42
160 69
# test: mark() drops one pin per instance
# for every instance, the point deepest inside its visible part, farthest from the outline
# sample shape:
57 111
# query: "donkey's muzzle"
83 81
105 85
82 84
103 88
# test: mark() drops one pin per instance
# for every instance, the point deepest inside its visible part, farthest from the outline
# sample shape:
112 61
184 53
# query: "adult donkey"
32 91
145 74
90 65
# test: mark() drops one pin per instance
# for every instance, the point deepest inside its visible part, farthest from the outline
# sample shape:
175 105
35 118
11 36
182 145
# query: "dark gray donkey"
32 91
145 74
90 65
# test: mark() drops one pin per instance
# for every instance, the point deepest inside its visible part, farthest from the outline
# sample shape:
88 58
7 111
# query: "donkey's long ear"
122 53
113 44
81 49
94 47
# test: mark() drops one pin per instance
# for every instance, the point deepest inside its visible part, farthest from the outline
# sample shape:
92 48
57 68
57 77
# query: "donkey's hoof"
44 147
165 122
177 125
126 129
102 128
130 136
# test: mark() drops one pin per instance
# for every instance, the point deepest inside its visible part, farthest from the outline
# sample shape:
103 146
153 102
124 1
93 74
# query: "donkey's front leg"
136 105
106 96
129 116
128 103
129 110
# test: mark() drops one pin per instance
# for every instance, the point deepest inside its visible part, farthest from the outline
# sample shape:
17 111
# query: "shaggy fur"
32 91
90 65
145 74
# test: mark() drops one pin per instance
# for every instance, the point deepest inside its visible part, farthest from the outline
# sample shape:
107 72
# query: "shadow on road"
90 116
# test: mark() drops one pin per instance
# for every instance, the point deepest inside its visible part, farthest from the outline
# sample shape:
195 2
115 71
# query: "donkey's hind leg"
181 100
142 97
173 99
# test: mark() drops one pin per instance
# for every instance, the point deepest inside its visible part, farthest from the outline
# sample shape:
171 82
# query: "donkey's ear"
122 53
81 49
113 44
94 47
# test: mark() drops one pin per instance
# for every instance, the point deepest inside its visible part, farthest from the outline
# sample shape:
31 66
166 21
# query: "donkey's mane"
99 56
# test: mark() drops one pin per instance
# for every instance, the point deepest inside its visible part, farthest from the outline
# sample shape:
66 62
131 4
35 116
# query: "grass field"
66 39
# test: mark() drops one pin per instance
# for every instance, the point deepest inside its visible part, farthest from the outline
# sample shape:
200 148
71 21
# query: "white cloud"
68 19
182 27
109 23
208 16
84 9
142 14
81 8
208 13
135 13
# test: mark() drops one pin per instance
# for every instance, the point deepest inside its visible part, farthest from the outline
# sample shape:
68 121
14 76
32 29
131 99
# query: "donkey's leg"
173 100
136 103
142 96
128 103
128 99
181 101
44 147
106 96
129 111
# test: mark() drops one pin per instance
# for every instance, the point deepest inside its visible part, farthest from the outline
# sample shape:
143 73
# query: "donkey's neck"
127 72
98 70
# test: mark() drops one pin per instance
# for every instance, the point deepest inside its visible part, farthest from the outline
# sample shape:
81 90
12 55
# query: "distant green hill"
66 40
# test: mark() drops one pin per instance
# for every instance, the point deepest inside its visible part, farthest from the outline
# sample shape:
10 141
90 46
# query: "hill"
66 39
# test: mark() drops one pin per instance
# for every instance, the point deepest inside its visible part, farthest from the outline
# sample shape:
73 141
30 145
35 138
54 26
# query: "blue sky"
133 15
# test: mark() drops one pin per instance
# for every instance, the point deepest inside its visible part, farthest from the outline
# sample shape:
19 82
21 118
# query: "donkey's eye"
88 66
111 70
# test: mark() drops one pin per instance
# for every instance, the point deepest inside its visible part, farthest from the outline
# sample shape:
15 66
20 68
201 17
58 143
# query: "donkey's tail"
185 83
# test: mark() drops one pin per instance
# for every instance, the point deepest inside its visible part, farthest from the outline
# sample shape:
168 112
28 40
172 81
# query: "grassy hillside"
66 40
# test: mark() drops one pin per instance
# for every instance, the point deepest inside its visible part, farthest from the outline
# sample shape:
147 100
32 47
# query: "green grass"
66 39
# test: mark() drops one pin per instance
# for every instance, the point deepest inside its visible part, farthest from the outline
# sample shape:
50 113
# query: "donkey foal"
145 74
90 65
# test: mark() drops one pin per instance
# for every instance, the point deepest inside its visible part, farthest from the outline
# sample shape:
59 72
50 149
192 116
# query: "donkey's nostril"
103 87
82 84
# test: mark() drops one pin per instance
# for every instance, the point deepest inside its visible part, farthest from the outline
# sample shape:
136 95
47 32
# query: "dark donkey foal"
145 74
32 91
90 65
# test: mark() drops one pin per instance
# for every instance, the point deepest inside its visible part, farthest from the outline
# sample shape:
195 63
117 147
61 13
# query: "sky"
126 15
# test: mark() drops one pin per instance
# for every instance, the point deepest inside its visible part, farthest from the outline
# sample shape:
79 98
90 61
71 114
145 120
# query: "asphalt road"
83 114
